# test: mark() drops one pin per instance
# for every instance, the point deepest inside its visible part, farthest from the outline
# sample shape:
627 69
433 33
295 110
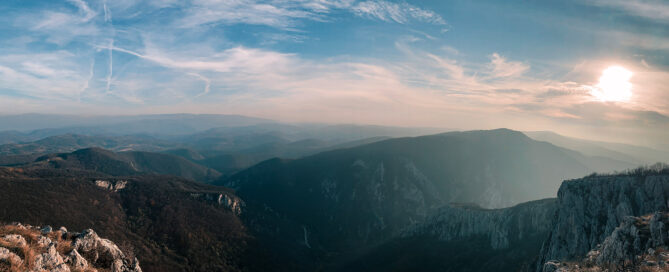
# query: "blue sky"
461 64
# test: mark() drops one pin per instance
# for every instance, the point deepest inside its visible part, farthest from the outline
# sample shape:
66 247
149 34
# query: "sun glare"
614 85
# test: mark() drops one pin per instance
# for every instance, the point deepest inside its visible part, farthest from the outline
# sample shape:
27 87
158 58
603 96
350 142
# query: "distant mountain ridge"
638 155
72 142
175 124
127 163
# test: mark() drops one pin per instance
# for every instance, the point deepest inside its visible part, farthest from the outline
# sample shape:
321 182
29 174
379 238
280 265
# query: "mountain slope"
71 142
127 163
170 224
465 238
348 198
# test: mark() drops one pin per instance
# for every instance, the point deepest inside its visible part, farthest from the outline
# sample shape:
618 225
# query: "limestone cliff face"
501 226
229 201
465 238
638 244
592 208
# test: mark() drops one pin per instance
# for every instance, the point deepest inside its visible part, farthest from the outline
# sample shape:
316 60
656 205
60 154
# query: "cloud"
110 65
244 11
84 9
245 60
656 10
501 67
396 12
82 61
38 69
107 11
286 14
59 27
207 82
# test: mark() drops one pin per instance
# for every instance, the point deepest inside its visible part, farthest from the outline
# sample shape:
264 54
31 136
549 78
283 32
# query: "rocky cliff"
358 197
501 227
638 244
465 238
27 248
595 211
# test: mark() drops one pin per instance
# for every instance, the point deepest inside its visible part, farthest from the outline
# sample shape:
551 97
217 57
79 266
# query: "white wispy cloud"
207 82
650 9
501 67
107 11
60 27
110 65
84 9
169 69
396 12
243 11
38 69
285 14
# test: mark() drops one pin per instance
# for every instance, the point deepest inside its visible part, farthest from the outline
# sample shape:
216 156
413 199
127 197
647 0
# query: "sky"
526 65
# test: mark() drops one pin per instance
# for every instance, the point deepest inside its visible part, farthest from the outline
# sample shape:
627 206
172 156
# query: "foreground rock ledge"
28 248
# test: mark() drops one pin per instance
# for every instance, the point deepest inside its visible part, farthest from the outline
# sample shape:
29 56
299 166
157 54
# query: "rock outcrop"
27 248
601 218
229 201
465 238
113 186
638 244
500 226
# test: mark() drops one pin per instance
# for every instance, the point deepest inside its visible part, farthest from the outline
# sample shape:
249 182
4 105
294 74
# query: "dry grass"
31 250
62 246
25 252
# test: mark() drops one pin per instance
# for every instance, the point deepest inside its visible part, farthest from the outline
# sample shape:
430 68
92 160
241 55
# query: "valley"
439 202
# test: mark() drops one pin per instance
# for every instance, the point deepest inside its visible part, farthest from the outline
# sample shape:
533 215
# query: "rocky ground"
638 244
35 249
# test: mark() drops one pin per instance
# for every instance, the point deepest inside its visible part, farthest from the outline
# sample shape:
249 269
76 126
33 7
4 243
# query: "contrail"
111 65
207 87
108 15
88 80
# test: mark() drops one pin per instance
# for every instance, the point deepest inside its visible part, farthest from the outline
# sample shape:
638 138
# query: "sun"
614 85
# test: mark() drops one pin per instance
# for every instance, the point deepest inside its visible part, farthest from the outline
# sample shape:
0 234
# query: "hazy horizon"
39 121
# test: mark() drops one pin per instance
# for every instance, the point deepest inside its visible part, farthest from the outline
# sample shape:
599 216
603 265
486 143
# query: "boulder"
15 240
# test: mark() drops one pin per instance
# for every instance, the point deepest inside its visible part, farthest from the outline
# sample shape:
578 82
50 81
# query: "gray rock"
101 250
551 266
76 261
591 208
46 229
15 239
8 256
50 261
231 202
104 253
658 231
43 241
501 226
89 252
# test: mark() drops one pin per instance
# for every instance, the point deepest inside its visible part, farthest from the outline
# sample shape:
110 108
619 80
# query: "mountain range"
270 196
